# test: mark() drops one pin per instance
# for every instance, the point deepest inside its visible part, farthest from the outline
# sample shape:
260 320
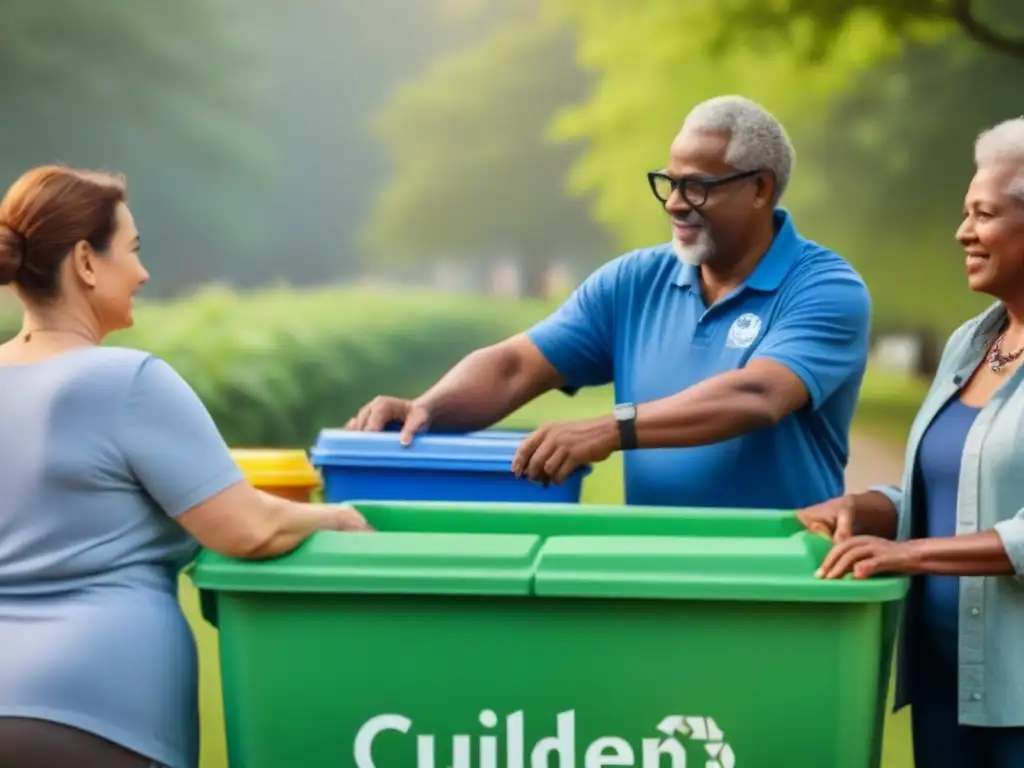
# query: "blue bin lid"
487 451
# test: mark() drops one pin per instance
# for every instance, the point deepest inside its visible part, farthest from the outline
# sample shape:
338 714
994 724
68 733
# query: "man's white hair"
756 139
1003 144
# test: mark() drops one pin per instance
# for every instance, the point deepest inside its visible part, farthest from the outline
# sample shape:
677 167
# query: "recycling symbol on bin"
705 729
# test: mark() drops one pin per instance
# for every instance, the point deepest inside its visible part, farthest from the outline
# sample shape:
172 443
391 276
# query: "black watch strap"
625 415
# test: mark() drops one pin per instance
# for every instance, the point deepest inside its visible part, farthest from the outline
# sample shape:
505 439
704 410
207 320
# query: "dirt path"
872 461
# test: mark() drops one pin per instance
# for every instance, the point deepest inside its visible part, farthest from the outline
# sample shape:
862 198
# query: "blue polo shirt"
640 322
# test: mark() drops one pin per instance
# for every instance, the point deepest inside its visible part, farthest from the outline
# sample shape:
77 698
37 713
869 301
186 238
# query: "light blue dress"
100 449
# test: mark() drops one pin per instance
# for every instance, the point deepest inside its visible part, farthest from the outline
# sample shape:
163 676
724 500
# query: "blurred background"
341 198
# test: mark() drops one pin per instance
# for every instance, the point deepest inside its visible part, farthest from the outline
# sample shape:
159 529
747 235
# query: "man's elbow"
767 406
770 392
763 413
525 370
779 407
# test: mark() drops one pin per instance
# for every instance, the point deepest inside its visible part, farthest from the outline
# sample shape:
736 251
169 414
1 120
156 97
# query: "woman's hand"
866 556
841 518
833 518
350 519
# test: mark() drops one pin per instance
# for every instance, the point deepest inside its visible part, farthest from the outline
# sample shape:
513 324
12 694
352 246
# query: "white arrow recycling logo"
705 729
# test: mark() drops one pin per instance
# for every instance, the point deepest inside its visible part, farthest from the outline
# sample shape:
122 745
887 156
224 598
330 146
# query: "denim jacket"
991 496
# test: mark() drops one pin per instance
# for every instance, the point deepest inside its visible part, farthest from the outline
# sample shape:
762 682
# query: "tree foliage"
273 373
920 20
474 172
897 142
883 113
162 91
654 63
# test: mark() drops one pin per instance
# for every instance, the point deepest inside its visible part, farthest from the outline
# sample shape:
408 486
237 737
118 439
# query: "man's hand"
833 518
381 411
866 556
554 451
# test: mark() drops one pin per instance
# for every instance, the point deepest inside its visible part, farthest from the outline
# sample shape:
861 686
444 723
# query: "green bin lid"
397 563
700 568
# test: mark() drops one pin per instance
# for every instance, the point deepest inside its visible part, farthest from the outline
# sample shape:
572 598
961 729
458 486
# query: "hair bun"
12 254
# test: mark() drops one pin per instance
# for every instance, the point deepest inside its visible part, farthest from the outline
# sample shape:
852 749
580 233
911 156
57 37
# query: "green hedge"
276 367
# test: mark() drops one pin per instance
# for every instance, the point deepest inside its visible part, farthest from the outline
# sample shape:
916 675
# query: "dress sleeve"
170 441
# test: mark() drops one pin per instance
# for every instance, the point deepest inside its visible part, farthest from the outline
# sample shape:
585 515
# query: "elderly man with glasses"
736 350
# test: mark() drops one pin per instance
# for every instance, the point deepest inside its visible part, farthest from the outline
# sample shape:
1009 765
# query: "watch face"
624 411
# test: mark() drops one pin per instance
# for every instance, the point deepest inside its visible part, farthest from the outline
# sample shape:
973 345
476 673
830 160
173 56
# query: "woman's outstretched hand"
833 518
350 519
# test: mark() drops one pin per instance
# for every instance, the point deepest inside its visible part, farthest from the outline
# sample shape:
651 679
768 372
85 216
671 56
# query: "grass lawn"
888 406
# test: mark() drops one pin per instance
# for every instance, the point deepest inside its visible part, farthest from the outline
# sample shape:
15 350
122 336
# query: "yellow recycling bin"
282 472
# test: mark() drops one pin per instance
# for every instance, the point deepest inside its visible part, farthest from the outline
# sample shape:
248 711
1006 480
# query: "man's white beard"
696 254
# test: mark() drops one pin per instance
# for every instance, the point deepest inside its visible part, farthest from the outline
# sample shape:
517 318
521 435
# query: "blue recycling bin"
373 466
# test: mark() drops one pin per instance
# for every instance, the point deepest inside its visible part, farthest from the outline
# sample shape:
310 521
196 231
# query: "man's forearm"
717 409
482 389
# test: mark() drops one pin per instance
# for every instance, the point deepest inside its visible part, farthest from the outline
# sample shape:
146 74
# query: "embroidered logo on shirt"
743 331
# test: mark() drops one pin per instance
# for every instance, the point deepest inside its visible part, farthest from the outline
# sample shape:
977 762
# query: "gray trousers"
30 743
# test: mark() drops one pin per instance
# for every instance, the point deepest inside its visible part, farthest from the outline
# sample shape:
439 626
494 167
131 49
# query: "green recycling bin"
529 636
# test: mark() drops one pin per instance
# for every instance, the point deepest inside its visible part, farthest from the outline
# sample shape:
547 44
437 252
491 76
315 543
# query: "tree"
162 91
906 130
654 62
334 63
882 121
474 173
897 144
908 18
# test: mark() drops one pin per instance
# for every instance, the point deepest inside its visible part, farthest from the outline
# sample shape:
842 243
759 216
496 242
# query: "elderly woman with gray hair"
956 525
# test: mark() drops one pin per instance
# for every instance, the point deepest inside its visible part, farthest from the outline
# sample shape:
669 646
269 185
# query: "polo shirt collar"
773 266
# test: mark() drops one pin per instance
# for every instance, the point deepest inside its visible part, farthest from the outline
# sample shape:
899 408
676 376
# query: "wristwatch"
625 415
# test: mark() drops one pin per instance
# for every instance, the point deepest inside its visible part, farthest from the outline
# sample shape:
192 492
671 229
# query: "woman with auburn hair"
112 474
957 523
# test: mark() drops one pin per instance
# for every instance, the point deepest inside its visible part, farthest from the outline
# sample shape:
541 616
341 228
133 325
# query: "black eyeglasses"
694 189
